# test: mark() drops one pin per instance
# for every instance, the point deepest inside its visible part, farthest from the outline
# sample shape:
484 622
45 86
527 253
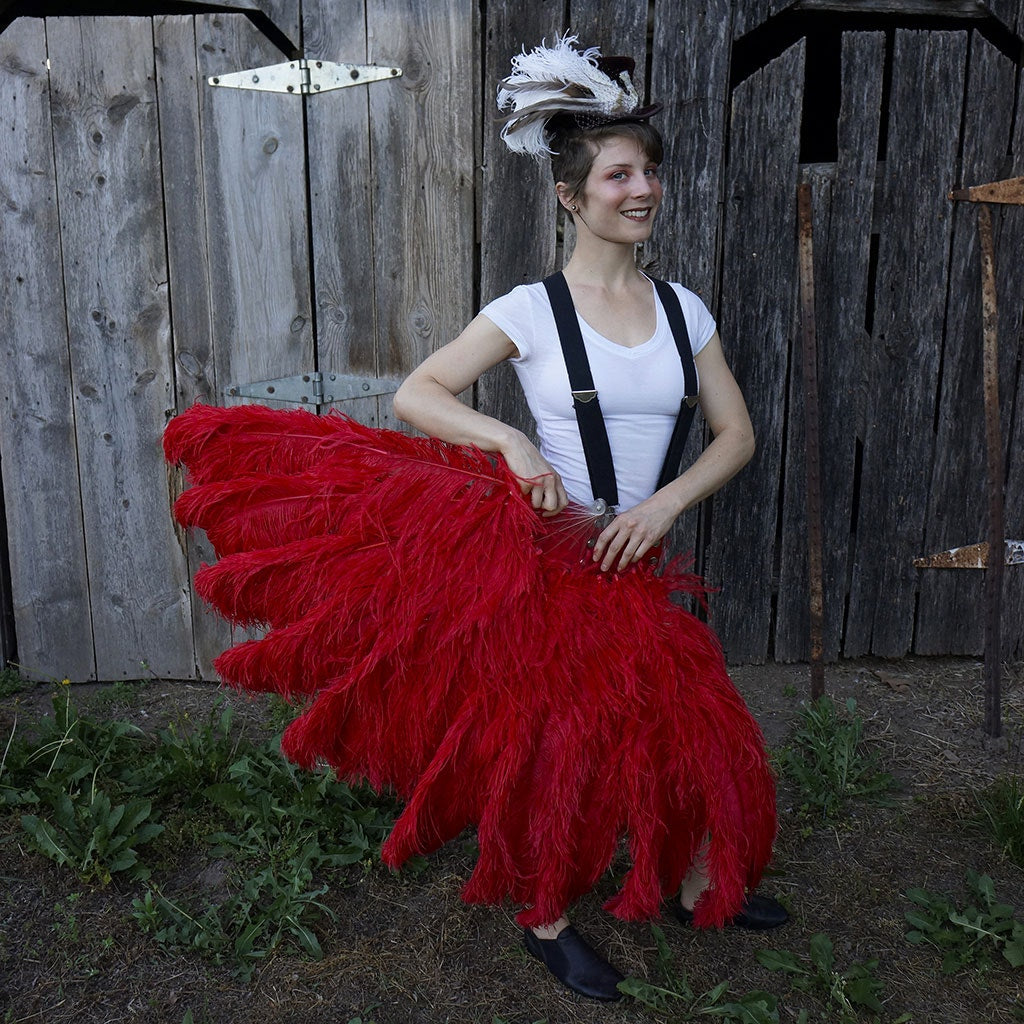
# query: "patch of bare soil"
405 950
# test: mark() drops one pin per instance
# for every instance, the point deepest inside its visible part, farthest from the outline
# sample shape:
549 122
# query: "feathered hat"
563 82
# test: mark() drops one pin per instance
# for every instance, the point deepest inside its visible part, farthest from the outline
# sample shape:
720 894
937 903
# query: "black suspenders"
584 395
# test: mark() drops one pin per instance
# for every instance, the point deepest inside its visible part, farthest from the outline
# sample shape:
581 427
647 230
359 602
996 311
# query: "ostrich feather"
554 80
447 642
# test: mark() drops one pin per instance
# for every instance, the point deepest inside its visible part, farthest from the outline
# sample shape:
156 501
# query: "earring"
574 208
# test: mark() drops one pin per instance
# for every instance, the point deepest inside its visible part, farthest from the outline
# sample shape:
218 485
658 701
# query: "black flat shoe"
759 913
575 964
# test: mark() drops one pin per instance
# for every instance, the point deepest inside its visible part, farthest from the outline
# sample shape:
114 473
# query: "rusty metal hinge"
314 388
304 76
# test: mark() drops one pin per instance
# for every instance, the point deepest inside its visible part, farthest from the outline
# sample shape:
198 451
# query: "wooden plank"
517 200
616 26
253 165
843 199
972 9
178 83
910 299
8 633
690 76
115 279
254 169
341 202
49 581
751 14
1009 225
758 317
284 15
423 160
950 616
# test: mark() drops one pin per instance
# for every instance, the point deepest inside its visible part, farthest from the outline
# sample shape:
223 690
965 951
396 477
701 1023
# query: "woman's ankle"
551 931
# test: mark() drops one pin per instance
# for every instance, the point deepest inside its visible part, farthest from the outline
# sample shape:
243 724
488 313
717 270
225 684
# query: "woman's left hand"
633 533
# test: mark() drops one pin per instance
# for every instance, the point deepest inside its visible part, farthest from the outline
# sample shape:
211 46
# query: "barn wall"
361 234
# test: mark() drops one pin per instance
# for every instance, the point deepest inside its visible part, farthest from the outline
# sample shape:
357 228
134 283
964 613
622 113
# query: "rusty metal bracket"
1009 191
972 556
812 438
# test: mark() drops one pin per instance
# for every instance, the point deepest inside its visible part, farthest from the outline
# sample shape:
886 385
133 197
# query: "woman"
488 657
606 178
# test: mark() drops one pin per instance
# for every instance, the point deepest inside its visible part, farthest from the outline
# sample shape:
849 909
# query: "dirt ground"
406 950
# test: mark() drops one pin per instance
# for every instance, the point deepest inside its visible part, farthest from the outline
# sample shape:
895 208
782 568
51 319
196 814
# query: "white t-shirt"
639 388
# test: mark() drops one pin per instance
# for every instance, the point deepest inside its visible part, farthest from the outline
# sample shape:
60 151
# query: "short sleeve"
511 313
700 324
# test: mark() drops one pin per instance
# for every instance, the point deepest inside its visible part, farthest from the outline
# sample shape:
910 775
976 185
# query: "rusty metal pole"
994 447
812 441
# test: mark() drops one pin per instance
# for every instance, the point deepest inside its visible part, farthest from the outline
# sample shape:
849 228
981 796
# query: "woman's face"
621 195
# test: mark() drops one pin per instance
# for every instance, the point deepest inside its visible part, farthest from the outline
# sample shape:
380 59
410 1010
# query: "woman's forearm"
727 454
429 406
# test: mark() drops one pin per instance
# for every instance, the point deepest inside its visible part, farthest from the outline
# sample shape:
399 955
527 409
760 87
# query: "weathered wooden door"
899 337
166 239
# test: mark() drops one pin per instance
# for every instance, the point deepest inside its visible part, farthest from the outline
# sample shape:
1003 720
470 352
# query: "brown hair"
577 148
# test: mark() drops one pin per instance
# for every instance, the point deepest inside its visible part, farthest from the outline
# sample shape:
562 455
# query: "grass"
253 872
1002 809
672 992
828 759
94 795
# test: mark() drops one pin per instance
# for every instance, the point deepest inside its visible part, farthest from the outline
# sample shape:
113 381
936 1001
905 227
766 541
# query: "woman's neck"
605 264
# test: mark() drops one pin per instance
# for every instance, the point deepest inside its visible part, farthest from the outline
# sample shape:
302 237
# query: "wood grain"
178 85
758 316
49 580
115 277
341 203
951 607
690 76
1009 227
423 160
253 157
910 300
616 26
843 200
284 15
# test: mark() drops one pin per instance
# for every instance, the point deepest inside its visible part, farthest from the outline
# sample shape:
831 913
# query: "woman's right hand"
537 479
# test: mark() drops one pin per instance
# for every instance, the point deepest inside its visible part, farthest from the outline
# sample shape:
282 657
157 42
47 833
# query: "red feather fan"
461 649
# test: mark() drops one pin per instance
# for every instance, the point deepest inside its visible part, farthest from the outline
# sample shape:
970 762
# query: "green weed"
96 793
281 828
75 771
190 755
842 992
674 993
11 682
125 693
827 758
1002 807
93 836
972 937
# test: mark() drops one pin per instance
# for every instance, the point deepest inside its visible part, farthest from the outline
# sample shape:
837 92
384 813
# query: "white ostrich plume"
558 80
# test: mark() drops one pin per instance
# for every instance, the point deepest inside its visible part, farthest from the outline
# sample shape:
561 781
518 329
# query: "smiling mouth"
637 215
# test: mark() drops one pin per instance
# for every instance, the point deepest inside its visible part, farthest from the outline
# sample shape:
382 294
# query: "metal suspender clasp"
691 402
584 396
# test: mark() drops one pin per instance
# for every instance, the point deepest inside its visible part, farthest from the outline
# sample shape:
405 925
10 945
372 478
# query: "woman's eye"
651 172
